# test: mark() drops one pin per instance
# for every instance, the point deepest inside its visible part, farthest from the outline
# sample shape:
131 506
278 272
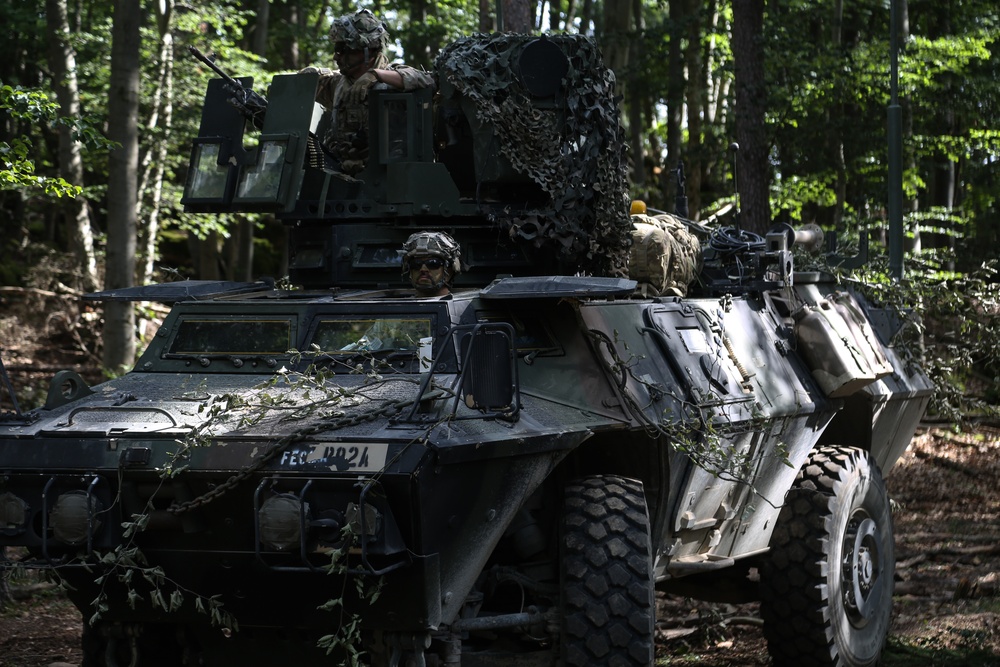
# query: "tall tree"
243 269
616 35
835 118
695 58
261 26
636 90
675 90
486 22
517 16
154 163
62 62
751 100
123 163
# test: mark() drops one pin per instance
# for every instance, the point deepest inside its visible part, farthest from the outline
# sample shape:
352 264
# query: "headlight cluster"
13 514
74 517
281 520
288 523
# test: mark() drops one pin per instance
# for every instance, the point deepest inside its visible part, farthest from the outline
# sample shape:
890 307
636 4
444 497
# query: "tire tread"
608 601
795 596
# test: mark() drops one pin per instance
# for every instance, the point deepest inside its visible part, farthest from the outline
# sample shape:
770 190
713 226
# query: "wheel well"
852 423
628 454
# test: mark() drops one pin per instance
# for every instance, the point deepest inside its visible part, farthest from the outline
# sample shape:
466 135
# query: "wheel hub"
861 568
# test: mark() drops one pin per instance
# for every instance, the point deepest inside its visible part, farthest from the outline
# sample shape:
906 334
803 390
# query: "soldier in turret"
431 260
359 42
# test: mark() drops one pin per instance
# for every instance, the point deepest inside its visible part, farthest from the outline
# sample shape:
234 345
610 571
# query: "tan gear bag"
665 257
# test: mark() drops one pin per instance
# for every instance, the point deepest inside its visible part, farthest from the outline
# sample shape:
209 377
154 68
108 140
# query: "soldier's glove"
358 92
250 104
351 167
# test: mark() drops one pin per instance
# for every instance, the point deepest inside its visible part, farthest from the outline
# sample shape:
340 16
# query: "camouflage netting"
575 152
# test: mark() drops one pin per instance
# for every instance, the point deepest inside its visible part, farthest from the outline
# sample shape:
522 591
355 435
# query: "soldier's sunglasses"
432 264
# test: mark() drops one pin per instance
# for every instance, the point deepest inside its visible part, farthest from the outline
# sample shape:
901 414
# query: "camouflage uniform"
347 134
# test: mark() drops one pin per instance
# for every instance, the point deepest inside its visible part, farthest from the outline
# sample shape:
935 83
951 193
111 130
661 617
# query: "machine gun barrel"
251 104
810 236
196 52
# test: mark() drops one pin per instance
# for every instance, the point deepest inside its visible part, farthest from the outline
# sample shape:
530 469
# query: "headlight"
73 517
281 518
372 521
13 514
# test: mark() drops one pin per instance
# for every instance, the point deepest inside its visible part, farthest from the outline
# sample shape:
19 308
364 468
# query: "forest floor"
947 594
947 526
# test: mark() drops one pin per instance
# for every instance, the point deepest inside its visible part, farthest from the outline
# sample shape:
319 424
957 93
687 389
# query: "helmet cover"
433 244
359 31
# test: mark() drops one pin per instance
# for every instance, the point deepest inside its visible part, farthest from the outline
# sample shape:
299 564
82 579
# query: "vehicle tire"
826 586
606 574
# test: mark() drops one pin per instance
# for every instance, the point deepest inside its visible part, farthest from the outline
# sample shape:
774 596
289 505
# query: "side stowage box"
839 346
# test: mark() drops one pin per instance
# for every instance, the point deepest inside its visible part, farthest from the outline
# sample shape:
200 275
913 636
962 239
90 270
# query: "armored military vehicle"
509 475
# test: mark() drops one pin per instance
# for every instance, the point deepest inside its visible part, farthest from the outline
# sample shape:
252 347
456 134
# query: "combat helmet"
360 31
434 244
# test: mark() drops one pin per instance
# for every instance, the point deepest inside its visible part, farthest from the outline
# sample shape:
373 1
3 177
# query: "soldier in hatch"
431 260
359 41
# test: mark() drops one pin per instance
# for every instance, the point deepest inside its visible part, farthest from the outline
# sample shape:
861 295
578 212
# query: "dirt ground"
947 603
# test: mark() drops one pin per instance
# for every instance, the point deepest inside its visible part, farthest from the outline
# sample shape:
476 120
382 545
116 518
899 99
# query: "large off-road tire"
606 574
826 586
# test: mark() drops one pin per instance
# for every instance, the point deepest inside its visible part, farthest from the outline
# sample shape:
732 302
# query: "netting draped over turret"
574 149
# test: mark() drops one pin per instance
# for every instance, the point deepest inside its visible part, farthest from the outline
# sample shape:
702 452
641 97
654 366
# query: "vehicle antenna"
735 148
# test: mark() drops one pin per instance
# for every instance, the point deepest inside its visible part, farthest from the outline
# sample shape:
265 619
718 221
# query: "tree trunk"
486 22
261 27
835 120
637 91
910 163
62 62
517 16
697 106
155 164
675 98
555 13
123 110
587 18
617 35
208 256
753 172
243 268
415 47
290 53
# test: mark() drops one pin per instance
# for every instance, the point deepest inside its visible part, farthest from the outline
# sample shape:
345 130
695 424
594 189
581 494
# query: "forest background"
99 102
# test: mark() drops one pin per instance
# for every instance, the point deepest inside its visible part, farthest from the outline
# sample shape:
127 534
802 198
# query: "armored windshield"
371 334
232 336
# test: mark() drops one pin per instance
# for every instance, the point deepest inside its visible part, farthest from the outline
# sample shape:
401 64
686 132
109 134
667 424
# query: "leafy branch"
317 404
699 432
